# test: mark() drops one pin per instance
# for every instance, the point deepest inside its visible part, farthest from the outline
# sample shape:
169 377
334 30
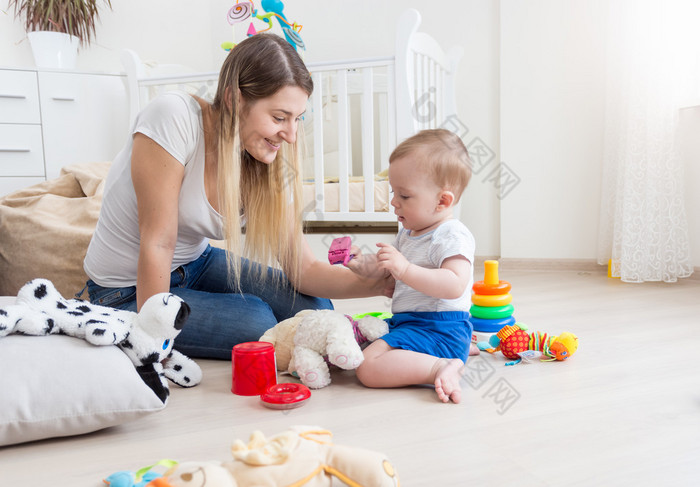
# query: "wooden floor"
624 410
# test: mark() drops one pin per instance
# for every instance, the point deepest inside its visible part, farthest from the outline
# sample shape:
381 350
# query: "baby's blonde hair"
442 155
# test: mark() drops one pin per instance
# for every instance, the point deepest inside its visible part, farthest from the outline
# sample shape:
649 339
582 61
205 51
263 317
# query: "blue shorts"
444 334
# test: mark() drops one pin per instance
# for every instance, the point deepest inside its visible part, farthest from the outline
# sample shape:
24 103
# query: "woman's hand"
336 282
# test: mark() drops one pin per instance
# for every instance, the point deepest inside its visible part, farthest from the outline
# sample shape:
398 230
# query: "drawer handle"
63 98
14 150
19 97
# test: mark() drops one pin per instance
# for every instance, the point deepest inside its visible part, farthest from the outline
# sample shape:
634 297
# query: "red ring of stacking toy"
285 396
480 287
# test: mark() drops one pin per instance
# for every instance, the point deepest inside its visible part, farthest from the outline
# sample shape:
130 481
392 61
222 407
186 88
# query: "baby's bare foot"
473 349
447 378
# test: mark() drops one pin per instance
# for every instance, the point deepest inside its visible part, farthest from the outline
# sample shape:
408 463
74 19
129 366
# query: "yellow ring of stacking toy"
494 313
492 300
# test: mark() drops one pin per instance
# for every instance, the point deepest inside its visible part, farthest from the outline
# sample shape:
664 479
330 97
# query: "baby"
431 260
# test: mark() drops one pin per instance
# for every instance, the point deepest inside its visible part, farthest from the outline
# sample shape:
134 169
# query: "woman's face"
265 123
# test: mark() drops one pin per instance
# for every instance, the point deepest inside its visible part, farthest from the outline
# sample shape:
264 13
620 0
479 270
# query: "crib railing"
358 93
426 97
372 81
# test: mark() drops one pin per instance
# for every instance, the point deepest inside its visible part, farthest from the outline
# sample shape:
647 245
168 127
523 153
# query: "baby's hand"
392 260
365 265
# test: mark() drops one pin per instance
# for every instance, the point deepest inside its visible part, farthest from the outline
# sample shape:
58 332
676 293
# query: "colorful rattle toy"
140 478
514 342
491 309
339 253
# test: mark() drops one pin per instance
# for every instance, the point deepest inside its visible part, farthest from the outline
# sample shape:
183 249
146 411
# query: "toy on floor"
252 368
146 338
382 315
285 396
491 309
339 252
125 478
513 341
300 456
301 342
140 478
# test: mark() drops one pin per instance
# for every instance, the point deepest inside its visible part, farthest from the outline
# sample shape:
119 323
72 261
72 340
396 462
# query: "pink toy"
339 253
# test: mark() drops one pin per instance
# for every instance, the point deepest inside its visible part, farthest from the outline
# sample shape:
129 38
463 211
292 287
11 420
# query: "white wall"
173 31
531 88
552 113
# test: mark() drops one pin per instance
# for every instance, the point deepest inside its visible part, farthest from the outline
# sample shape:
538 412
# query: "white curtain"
653 59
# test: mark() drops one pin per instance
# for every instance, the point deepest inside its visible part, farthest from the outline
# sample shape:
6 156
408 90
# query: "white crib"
358 112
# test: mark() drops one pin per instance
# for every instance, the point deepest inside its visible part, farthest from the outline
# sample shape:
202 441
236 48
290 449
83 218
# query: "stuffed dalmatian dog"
146 337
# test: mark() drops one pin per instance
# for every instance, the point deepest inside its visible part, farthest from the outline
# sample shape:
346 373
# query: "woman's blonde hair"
267 196
443 156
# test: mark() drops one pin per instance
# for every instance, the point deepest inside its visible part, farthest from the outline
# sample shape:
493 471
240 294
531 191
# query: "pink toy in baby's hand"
339 253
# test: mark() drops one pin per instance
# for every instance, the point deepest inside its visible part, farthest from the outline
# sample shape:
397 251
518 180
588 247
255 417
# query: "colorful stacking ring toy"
492 300
491 284
285 396
491 307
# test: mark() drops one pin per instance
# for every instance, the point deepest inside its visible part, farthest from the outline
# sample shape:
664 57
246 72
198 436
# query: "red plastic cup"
253 368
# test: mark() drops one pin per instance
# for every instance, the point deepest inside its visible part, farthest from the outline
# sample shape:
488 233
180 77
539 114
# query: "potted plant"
57 27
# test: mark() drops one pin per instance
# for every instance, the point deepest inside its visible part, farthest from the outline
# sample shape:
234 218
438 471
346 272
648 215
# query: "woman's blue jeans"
221 316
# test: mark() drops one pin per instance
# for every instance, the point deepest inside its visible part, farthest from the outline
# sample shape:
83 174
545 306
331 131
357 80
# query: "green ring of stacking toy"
491 312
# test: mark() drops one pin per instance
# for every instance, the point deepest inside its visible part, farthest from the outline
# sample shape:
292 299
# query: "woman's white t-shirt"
174 121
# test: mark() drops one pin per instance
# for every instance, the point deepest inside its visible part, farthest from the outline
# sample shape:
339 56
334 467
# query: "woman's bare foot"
447 380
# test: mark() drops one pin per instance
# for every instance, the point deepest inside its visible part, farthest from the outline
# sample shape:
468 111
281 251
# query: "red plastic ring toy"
480 287
285 396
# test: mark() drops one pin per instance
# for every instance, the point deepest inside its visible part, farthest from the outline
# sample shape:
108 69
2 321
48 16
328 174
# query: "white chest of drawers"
50 119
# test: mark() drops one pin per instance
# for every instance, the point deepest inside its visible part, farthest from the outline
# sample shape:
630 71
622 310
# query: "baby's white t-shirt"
430 250
174 121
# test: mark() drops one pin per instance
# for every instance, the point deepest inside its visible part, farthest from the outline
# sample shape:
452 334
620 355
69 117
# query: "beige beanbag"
46 229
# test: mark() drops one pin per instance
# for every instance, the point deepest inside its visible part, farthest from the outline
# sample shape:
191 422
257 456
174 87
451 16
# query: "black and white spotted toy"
146 337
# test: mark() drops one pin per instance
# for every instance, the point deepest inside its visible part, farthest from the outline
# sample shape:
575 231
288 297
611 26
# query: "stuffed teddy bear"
145 337
302 456
301 342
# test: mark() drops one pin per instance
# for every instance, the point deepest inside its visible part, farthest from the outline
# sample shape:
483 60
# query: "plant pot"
55 50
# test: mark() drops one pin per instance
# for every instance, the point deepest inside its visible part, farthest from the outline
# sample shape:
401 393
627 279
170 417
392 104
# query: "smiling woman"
194 171
269 122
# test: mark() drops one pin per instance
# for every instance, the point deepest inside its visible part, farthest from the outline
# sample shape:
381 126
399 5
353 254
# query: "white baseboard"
581 265
584 265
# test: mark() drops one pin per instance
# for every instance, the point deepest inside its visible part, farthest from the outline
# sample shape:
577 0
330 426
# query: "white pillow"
60 386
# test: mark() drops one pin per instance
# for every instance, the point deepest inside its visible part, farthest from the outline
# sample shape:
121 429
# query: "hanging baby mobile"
244 10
